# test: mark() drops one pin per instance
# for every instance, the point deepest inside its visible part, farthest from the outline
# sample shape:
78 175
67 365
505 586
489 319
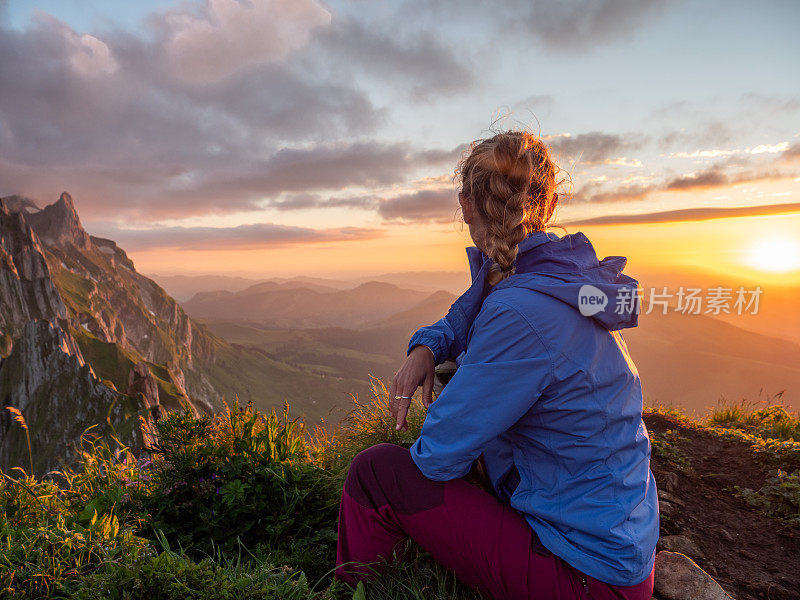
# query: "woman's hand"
417 370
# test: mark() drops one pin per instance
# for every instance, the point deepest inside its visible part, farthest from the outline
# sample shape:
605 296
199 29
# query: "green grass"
239 505
109 361
770 421
244 505
75 289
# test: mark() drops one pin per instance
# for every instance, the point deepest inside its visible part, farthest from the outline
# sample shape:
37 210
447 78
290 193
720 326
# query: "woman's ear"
466 208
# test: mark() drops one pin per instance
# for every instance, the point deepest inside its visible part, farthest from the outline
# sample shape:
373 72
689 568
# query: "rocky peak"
59 224
27 290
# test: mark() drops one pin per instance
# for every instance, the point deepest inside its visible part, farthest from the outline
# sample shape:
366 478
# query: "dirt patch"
750 554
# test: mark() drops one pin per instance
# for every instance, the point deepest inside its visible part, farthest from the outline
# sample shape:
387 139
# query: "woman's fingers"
403 404
416 370
404 389
427 389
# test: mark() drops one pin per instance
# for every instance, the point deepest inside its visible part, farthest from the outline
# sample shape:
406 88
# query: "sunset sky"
261 137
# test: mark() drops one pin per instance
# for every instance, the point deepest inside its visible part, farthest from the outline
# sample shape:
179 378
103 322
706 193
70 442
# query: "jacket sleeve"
441 338
447 338
503 372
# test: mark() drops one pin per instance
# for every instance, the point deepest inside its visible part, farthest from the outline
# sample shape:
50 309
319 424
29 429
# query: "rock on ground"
678 577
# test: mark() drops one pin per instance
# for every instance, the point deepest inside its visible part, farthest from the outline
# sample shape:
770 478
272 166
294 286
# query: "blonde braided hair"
511 179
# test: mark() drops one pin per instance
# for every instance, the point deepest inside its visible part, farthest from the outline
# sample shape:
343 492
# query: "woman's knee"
380 456
386 474
374 463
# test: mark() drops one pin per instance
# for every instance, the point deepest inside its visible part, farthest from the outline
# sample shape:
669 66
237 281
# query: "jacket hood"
567 268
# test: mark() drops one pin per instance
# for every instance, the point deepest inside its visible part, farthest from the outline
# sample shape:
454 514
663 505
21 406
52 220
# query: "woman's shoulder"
531 304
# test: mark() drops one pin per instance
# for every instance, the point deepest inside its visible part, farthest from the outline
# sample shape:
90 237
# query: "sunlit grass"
244 505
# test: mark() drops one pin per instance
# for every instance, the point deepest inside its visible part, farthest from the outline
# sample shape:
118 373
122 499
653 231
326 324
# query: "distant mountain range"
183 287
300 304
690 361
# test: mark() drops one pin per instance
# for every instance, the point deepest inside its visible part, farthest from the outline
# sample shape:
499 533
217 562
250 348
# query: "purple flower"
218 490
202 480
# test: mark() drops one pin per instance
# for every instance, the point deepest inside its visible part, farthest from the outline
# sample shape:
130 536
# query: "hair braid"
511 179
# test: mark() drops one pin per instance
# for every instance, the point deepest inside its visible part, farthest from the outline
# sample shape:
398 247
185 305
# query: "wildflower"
202 480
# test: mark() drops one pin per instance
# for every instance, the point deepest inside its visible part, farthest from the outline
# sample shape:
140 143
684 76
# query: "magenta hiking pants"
486 543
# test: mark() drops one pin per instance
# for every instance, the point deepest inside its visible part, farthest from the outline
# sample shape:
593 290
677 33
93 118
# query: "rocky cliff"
116 330
47 379
105 300
27 290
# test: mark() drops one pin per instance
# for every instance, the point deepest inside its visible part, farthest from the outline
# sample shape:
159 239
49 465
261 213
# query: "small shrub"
665 446
772 421
239 478
779 497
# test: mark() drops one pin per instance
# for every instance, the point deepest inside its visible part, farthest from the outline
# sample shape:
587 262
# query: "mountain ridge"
122 326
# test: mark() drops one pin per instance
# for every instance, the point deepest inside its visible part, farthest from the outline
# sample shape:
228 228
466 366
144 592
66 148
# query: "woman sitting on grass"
546 401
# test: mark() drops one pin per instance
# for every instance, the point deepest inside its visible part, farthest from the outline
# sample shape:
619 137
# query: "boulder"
678 577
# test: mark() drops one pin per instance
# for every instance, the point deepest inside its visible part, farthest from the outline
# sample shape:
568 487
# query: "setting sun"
779 254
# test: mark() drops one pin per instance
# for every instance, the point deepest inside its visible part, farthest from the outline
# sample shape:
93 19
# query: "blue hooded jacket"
547 392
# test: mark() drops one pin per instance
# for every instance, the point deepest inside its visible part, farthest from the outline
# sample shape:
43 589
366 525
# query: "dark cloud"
303 201
321 167
423 206
596 193
576 25
691 214
714 133
242 237
791 154
569 25
775 104
716 176
594 147
713 177
420 66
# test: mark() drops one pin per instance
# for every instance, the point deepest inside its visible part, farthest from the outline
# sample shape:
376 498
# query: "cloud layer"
243 237
691 214
217 106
